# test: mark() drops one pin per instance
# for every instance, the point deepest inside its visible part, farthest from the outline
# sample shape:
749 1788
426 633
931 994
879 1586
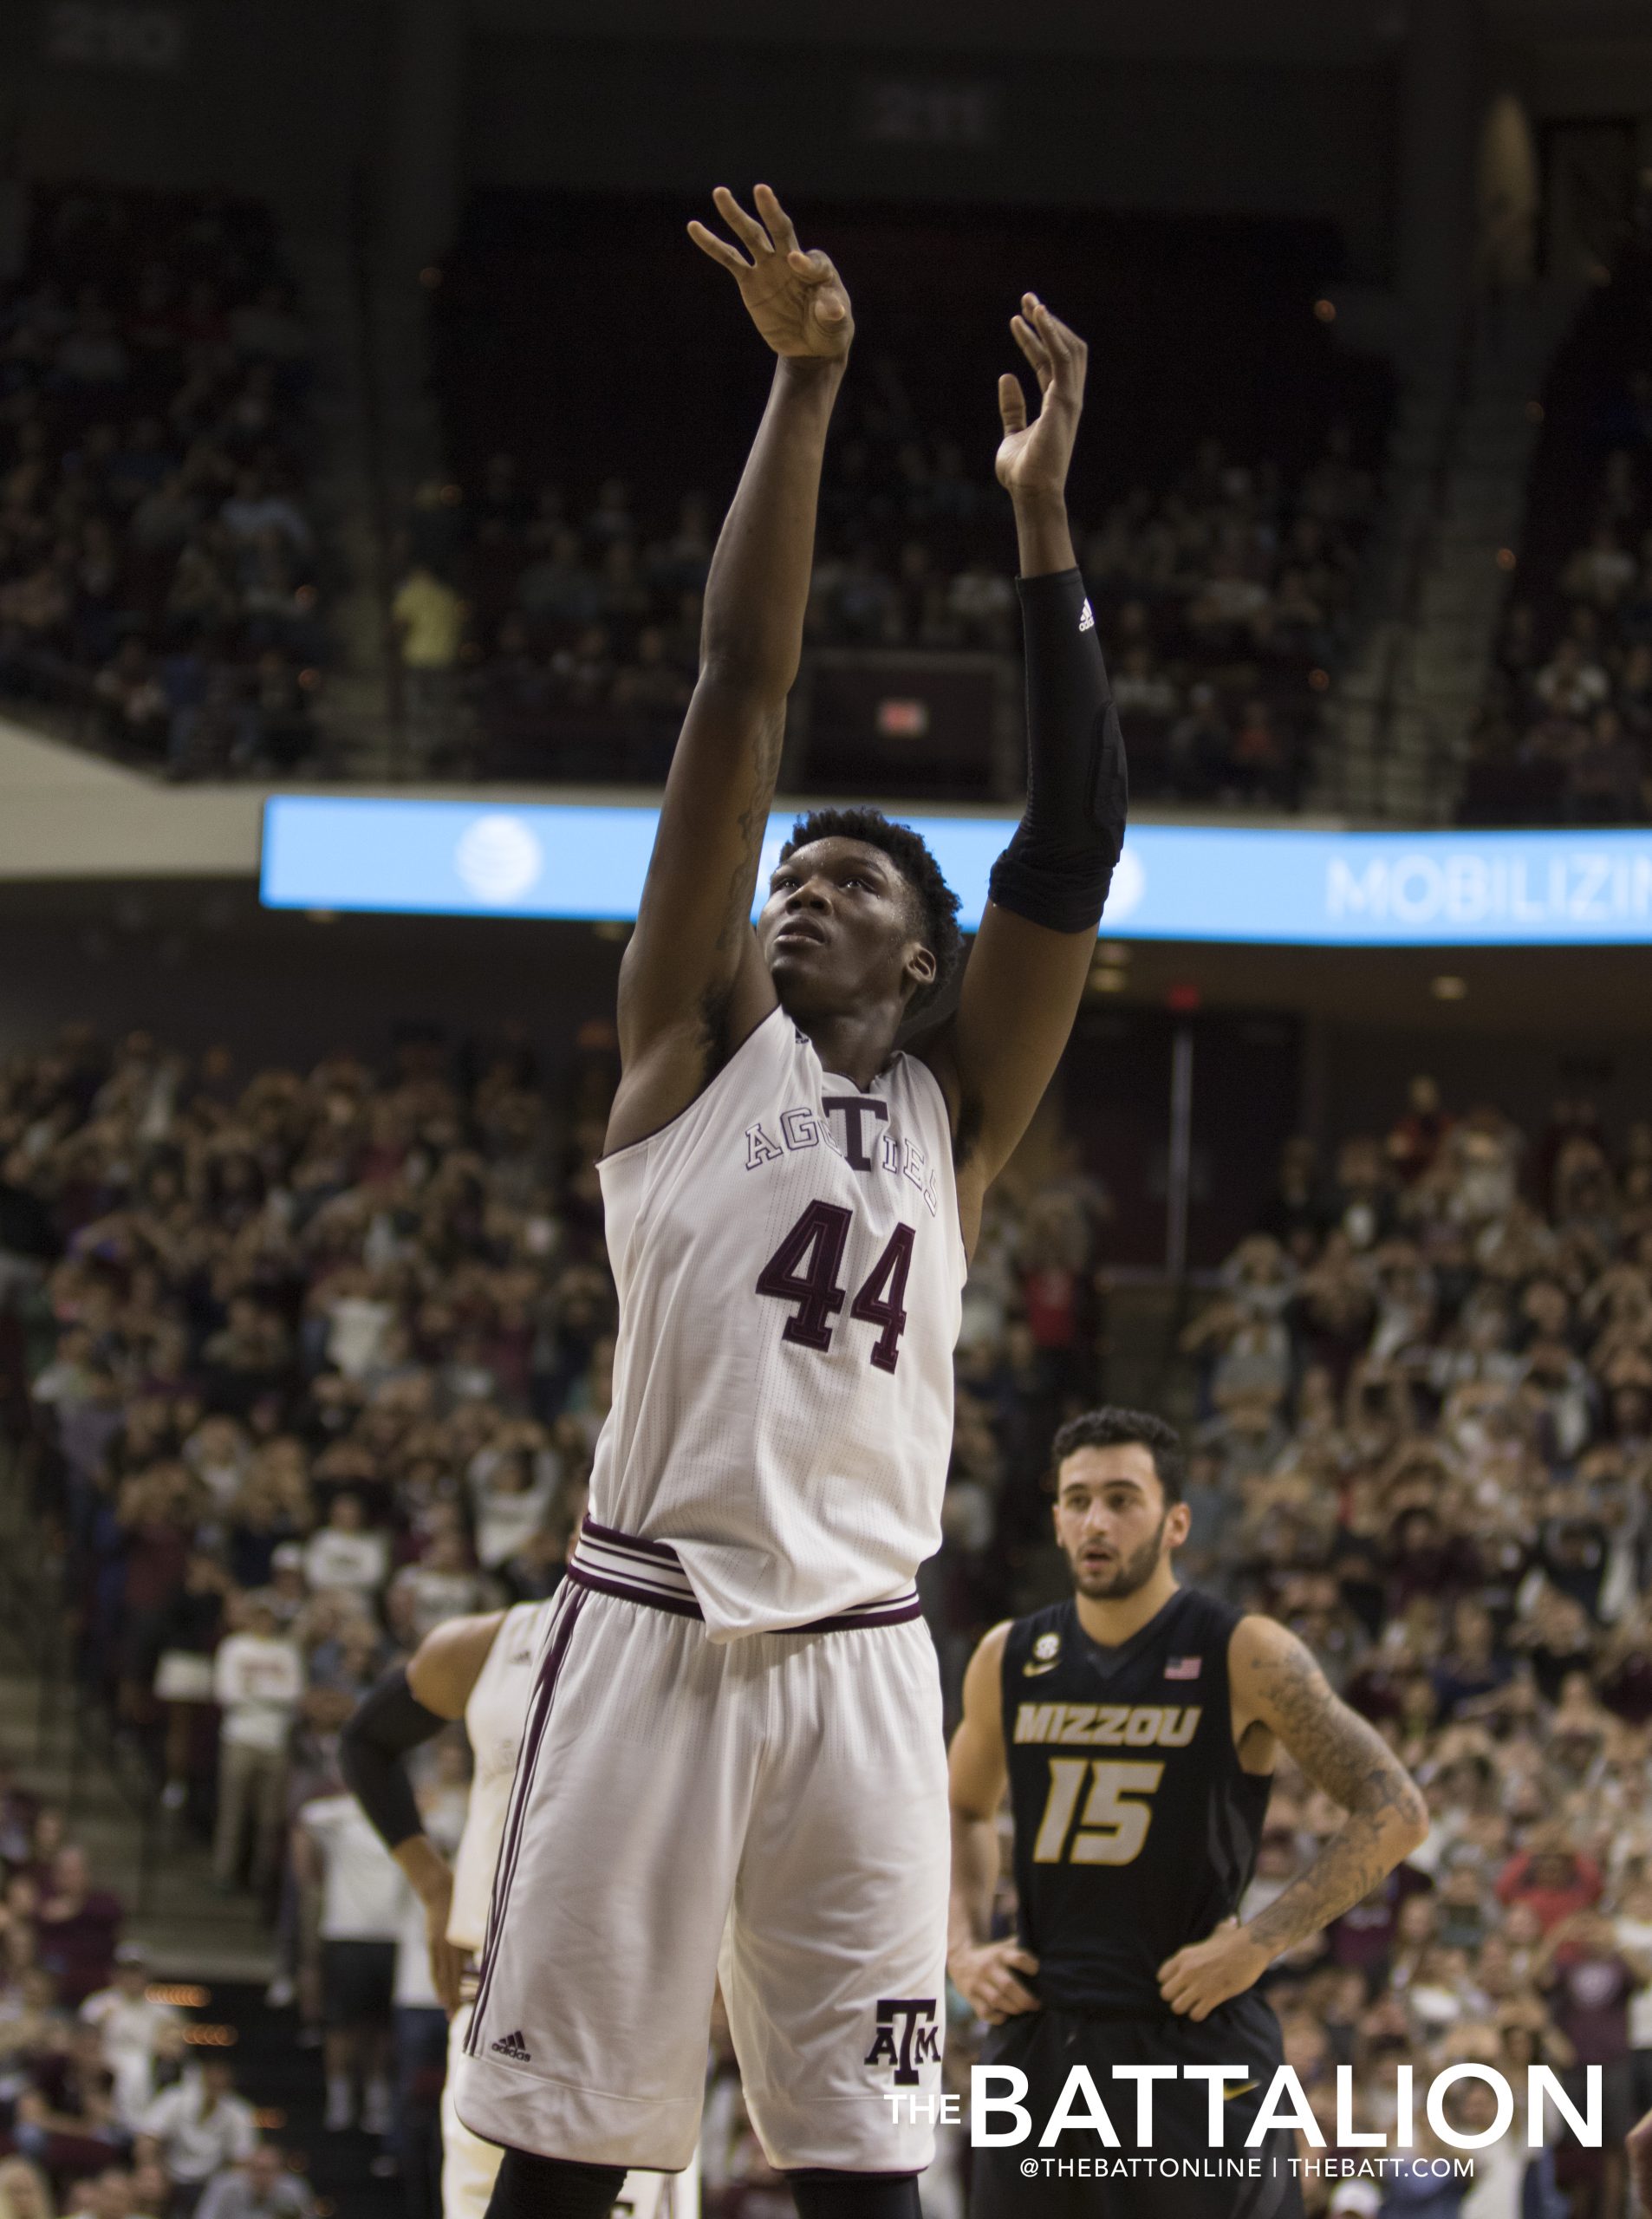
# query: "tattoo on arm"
1341 1752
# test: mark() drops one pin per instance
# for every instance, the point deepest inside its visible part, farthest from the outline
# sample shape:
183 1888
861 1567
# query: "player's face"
836 930
1112 1521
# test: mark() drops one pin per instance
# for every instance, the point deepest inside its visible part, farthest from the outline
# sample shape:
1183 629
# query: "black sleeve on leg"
528 2187
1056 869
388 1722
819 2194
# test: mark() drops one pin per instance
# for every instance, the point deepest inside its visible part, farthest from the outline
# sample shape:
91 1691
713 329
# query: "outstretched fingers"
719 250
1033 347
779 223
1067 351
750 233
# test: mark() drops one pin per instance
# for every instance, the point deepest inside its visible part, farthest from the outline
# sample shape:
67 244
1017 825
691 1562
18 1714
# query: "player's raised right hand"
795 299
1033 457
986 1978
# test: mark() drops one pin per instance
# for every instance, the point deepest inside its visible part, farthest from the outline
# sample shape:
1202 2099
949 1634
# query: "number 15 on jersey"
1116 1816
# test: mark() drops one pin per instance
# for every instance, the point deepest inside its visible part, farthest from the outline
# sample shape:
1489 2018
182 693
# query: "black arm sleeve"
388 1722
1056 869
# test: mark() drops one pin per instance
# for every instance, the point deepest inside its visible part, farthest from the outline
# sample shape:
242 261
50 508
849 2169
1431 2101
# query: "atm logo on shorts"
906 2037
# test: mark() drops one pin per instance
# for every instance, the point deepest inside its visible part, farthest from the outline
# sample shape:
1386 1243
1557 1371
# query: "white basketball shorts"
470 2166
790 1786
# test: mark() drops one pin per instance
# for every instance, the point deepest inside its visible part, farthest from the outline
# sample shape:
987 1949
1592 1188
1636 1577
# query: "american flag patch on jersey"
1182 1668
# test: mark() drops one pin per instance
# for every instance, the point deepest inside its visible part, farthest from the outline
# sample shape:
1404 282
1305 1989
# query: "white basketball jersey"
494 1719
791 1269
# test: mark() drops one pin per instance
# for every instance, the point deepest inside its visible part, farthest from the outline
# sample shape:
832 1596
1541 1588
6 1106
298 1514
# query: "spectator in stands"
345 1553
362 1892
76 1926
199 2126
427 619
131 2026
24 2193
258 1680
264 2186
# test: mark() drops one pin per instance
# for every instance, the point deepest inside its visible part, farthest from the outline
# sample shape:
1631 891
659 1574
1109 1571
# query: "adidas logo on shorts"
513 2047
1087 621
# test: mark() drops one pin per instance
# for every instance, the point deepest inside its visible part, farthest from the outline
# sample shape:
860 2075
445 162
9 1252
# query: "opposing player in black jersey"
1137 1726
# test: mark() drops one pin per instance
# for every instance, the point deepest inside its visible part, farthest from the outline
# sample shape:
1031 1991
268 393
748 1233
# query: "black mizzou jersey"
1135 1827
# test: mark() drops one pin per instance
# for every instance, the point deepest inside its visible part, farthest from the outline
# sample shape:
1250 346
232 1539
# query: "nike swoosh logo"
1243 2089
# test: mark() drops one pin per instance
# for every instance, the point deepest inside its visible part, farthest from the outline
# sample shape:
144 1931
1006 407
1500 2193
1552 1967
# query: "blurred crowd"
1567 737
115 2100
304 1364
159 568
1565 733
545 629
161 575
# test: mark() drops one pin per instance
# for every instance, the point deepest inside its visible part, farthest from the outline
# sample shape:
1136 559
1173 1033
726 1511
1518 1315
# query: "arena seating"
319 1360
1220 517
159 575
1565 736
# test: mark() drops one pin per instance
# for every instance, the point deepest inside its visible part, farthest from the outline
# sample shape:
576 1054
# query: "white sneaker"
375 2108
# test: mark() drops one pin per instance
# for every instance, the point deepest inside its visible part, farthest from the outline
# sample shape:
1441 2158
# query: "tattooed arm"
1280 1694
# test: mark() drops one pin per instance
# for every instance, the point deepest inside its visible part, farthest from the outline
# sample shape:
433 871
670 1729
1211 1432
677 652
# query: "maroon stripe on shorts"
679 1606
899 1613
627 1540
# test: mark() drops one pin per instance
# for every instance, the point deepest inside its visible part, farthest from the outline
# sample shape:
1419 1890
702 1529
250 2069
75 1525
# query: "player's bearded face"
1120 1572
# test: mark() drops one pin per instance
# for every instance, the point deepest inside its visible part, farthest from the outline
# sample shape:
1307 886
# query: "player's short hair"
1116 1428
936 903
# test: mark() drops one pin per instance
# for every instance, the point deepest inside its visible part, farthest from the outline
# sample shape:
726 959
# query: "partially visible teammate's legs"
469 2165
834 1964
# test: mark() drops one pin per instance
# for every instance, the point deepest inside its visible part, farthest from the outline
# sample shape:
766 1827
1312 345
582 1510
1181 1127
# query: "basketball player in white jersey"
736 1726
479 1670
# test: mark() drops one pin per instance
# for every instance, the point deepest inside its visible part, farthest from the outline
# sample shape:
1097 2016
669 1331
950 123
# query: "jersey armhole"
646 1140
918 1064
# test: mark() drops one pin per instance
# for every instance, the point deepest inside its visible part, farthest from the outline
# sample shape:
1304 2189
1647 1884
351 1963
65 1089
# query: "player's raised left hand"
795 299
1033 457
1207 1972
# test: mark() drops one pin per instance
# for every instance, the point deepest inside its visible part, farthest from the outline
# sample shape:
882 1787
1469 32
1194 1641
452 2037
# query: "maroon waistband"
651 1572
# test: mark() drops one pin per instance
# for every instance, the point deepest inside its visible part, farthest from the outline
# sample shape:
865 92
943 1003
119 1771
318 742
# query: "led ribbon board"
1177 882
